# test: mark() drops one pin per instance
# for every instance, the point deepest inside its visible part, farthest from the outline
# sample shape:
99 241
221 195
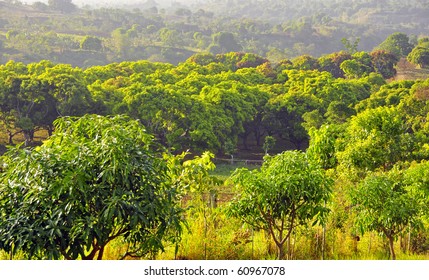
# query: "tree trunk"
323 240
100 253
281 252
50 130
258 136
27 138
392 250
244 137
10 138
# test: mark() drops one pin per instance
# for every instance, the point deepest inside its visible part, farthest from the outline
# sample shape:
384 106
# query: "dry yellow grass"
408 71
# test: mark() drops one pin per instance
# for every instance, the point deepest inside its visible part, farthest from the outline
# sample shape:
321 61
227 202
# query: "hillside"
408 71
276 30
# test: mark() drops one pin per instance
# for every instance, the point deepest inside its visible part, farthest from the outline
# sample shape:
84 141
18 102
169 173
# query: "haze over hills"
113 3
171 31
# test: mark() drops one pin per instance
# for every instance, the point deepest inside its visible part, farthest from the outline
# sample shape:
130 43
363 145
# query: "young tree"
287 192
269 143
350 46
95 180
383 204
230 148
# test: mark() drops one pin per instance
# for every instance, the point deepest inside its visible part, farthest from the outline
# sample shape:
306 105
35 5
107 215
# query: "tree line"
210 102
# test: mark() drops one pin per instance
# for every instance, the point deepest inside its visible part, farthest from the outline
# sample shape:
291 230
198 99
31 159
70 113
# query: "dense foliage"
95 180
215 103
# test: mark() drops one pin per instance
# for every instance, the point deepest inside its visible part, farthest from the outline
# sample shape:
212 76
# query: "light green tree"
377 138
397 43
419 56
288 191
383 204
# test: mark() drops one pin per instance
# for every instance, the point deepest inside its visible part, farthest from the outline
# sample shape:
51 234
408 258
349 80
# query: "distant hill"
275 29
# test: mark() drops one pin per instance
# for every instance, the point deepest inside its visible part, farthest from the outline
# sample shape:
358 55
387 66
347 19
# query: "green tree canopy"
95 180
377 138
419 56
397 43
91 43
383 204
288 191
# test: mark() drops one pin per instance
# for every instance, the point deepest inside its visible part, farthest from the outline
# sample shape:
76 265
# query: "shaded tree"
226 42
384 63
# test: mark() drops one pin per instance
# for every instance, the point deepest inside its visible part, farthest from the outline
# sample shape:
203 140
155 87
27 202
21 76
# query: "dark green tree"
226 42
91 43
384 63
97 179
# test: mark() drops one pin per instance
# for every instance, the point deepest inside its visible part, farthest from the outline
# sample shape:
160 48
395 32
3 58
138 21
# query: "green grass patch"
224 170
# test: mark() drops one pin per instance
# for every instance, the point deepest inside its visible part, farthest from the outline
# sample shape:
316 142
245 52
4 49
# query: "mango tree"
383 204
97 179
288 191
377 138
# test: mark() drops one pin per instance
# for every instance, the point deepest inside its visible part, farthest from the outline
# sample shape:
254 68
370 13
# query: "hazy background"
113 3
173 30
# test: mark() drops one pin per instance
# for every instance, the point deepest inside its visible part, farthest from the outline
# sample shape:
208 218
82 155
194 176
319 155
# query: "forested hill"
384 12
62 32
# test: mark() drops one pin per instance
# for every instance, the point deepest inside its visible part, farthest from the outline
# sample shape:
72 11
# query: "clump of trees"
240 96
420 54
